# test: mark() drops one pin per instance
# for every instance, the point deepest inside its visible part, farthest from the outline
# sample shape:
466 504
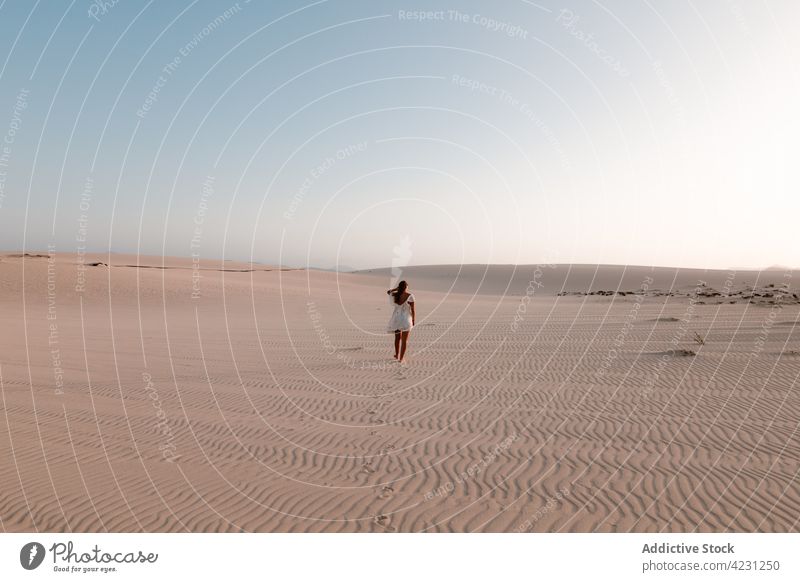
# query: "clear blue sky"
364 133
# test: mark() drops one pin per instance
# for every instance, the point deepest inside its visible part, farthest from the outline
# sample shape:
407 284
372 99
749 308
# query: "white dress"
401 317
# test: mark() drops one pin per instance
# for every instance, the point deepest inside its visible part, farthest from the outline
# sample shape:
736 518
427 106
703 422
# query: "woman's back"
402 318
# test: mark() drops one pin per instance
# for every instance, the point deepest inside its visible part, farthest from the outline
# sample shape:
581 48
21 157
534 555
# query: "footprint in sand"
386 492
383 521
367 467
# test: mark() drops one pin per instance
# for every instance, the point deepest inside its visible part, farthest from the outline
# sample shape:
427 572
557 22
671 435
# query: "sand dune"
568 279
238 397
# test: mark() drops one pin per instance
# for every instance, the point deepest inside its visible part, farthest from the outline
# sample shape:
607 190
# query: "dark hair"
401 288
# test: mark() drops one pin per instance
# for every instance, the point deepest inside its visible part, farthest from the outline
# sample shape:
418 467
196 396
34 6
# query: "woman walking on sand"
403 318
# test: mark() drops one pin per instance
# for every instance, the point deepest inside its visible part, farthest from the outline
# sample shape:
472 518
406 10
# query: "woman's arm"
413 314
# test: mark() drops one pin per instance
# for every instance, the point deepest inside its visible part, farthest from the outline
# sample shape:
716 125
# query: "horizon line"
348 269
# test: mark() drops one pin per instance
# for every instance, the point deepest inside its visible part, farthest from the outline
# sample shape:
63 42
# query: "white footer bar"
401 557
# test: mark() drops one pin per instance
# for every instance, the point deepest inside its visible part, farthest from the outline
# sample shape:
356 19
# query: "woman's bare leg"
403 343
396 343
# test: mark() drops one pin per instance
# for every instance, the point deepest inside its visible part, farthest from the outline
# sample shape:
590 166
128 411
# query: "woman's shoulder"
410 298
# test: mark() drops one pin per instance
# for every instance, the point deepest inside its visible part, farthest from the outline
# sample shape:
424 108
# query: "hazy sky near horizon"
370 133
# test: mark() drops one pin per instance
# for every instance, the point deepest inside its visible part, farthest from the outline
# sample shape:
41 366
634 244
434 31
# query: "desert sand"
151 394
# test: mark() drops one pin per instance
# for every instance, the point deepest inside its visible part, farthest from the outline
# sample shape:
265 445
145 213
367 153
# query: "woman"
403 318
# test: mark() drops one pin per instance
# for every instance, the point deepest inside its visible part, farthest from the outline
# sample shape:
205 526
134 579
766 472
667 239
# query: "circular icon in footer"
31 555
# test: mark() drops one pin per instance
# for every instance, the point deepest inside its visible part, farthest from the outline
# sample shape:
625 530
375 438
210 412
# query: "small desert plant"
681 353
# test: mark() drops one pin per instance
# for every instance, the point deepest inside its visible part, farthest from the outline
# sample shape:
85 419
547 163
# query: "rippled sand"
228 397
